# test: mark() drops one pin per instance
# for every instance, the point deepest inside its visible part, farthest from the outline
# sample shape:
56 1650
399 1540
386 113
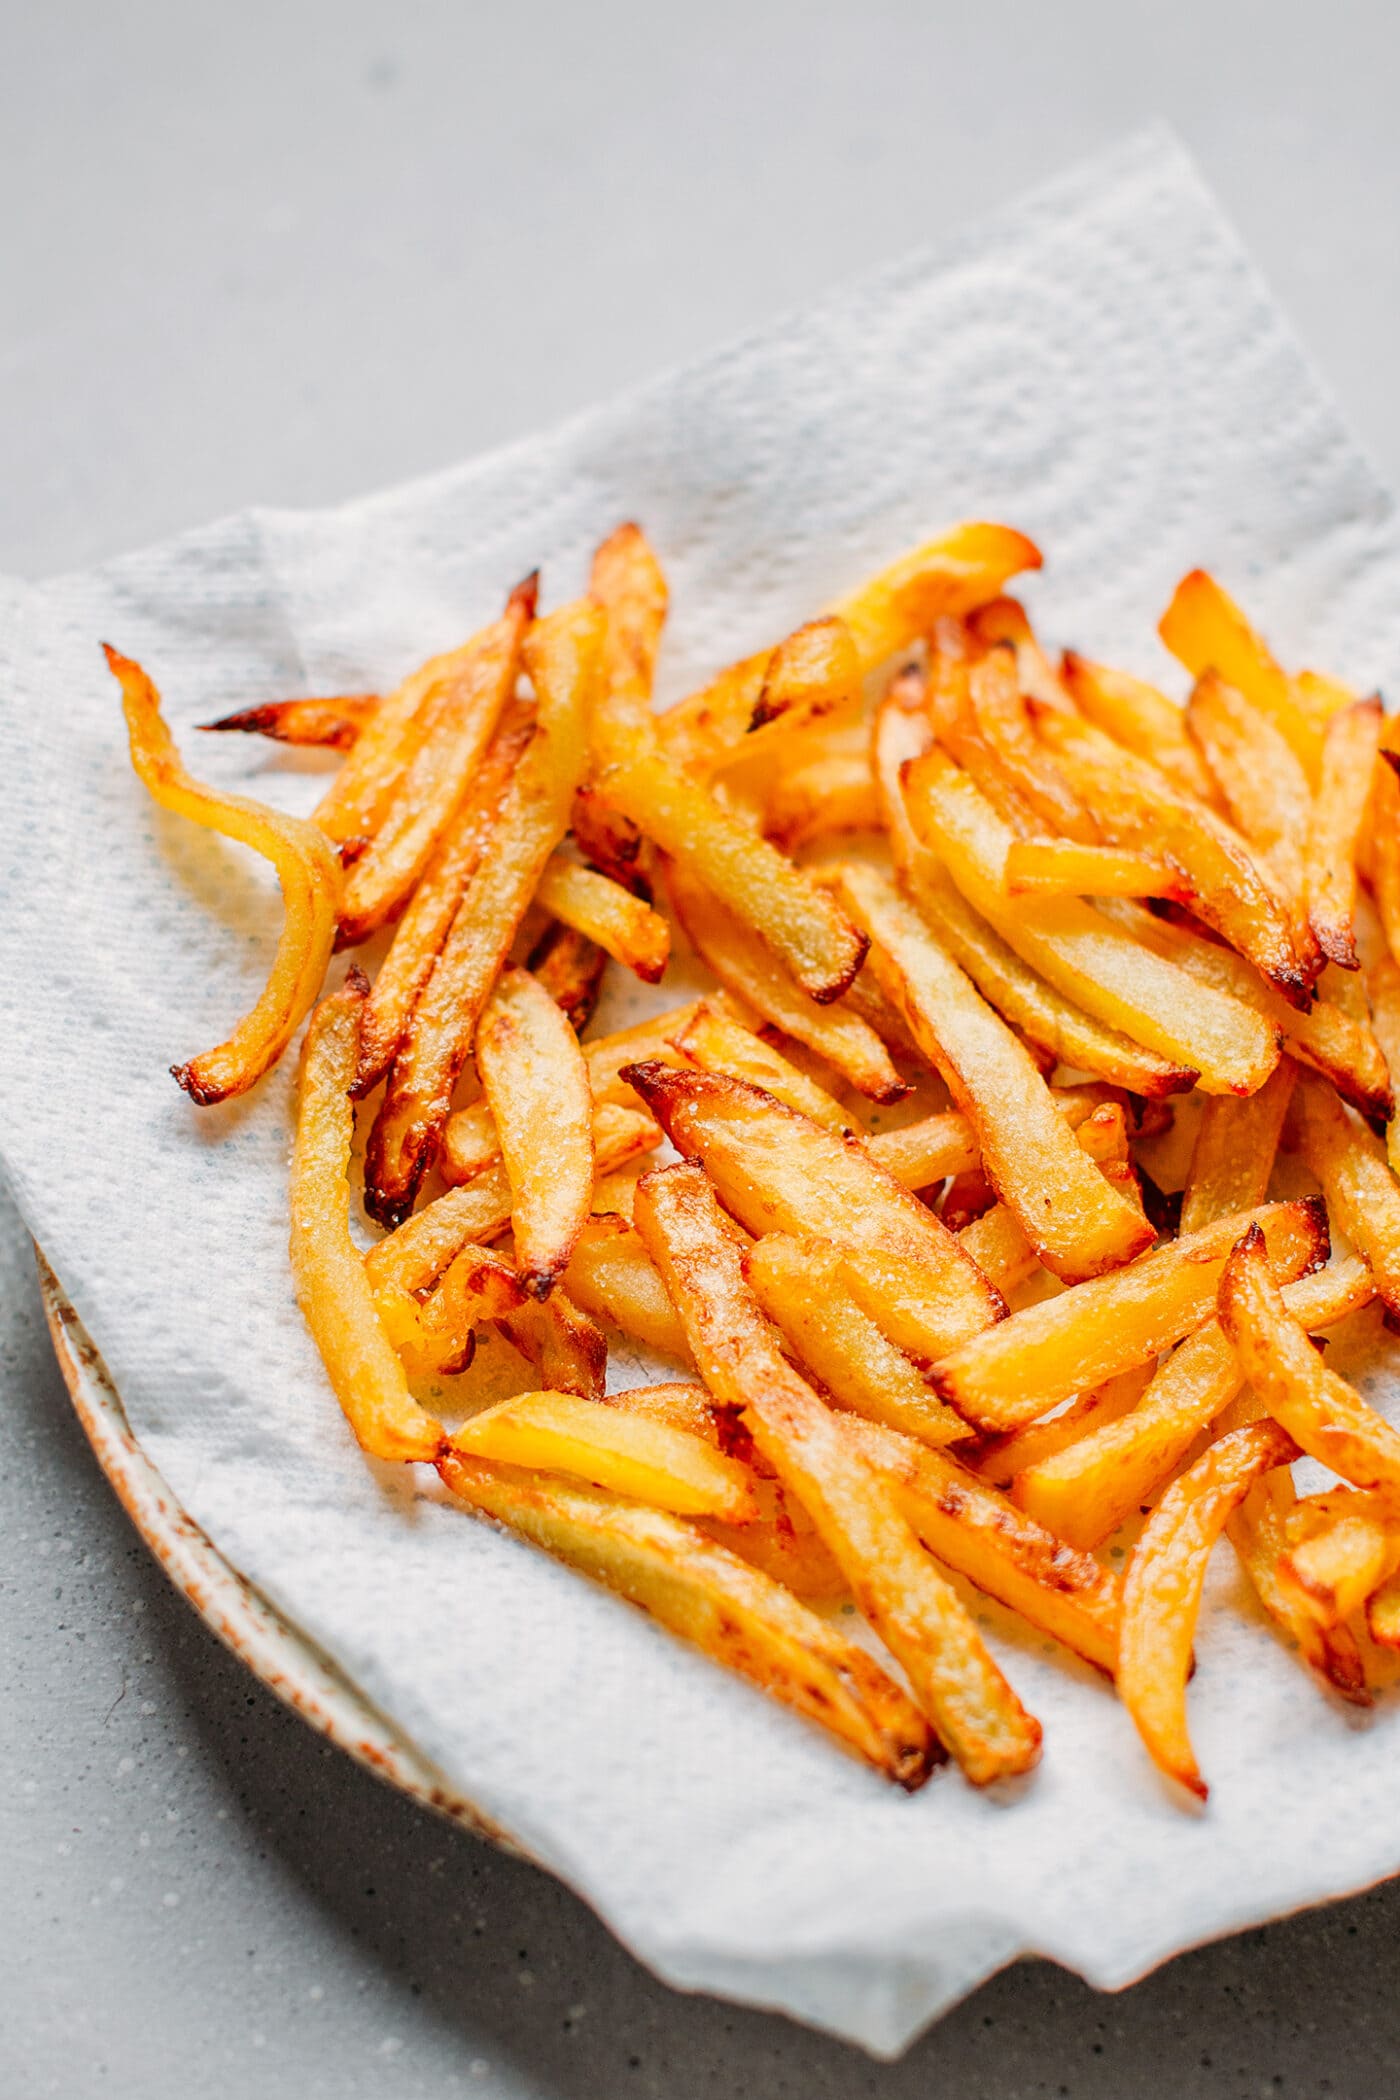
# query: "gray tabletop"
280 253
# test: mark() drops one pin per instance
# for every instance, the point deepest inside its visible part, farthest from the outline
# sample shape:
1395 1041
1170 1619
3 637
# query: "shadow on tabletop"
513 1962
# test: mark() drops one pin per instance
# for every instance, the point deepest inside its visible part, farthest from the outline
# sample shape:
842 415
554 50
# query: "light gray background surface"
281 253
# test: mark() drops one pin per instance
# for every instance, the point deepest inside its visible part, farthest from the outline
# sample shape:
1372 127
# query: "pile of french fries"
1039 1116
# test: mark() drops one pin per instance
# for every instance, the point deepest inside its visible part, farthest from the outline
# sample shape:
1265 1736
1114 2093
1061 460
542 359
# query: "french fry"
946 577
743 965
627 581
1003 621
1135 805
606 1055
914 1610
821 798
650 1460
975 1531
562 655
561 1343
471 1143
1362 1193
1233 1156
417 1252
1348 761
1086 955
1382 851
1342 1547
328 724
457 721
1000 1458
800 1284
745 874
422 930
570 967
1046 1353
596 906
723 1605
1162 1589
1383 1614
1326 1417
1384 984
1139 718
536 1086
1265 789
777 1171
714 1042
1077 1224
1257 1531
1064 868
1328 1039
1205 630
436 1335
749 711
1087 1490
612 1277
306 868
920 1154
334 1293
994 695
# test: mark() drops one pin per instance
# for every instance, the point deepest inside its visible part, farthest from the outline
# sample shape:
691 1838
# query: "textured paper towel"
1100 367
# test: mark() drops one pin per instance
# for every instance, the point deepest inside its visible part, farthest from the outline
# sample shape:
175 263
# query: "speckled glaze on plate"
285 1661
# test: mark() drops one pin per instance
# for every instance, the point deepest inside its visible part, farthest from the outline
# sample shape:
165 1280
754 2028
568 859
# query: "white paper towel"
1100 367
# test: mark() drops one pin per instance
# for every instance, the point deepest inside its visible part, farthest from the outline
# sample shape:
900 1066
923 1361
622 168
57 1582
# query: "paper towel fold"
1099 366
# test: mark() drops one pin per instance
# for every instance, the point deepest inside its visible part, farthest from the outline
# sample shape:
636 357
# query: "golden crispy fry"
1342 1546
716 1043
1000 1458
737 1615
1381 849
1004 621
627 581
1019 1370
914 1610
419 1250
744 873
1327 1038
1077 1224
1383 1614
948 698
1139 718
332 724
946 577
594 905
305 865
536 1087
333 1290
457 721
422 930
1265 789
820 798
920 1154
1205 630
1325 1416
472 1145
561 1343
1384 983
570 967
748 714
1343 784
1233 1156
1257 1531
1362 1193
743 965
437 1334
813 673
998 709
1162 1590
971 1528
650 1460
562 655
1087 1490
778 1171
612 1277
801 1286
1080 950
1064 868
1136 805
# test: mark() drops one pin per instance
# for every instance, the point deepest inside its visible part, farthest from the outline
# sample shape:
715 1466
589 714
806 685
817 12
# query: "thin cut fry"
612 1277
471 1143
563 659
330 724
801 1286
418 1251
536 1085
1329 862
740 1617
1162 1591
777 1171
1362 1193
1257 1531
1064 868
915 1611
1233 1156
1345 1547
946 577
306 867
437 1334
1139 718
820 798
1077 1224
1265 788
333 1290
457 721
1020 1369
594 905
647 1459
570 967
750 710
1205 630
1000 1458
999 711
716 1043
1325 1416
